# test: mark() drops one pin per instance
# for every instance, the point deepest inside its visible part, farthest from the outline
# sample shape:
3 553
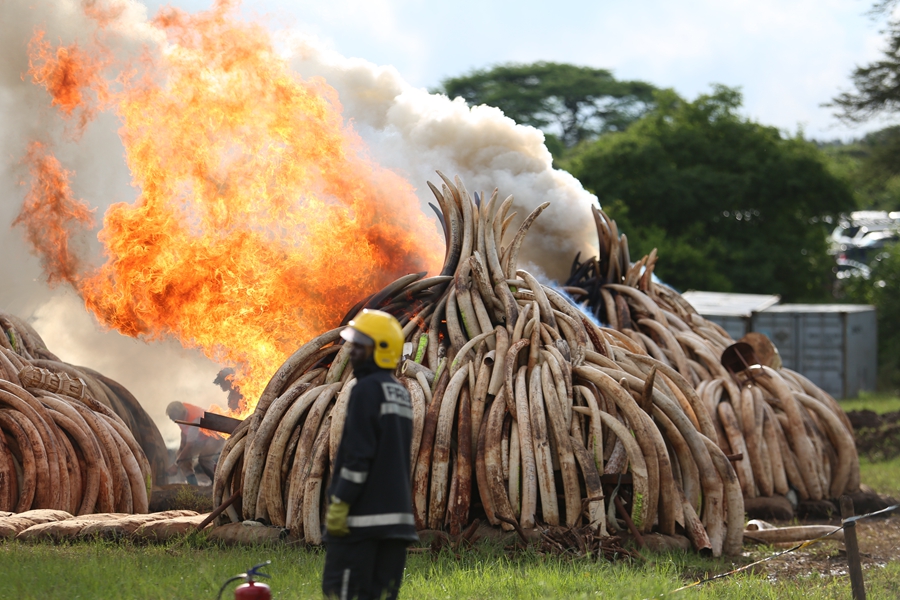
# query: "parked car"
861 234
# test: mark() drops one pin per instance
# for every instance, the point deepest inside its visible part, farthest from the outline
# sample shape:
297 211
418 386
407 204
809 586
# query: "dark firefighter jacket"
371 471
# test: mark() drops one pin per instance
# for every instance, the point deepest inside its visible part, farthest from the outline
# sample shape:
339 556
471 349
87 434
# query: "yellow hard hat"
378 329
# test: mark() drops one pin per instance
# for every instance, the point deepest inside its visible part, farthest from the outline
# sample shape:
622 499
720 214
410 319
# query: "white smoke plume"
414 133
407 129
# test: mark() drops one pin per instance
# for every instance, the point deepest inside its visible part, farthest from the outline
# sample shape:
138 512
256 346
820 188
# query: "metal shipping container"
834 345
732 312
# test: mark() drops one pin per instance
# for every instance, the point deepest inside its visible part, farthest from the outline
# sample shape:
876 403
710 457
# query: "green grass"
191 569
878 402
532 576
883 477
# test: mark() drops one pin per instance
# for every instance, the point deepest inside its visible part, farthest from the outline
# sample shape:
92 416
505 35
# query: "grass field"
191 568
884 477
875 401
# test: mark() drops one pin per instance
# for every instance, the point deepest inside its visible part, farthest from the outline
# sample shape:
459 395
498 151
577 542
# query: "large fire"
259 219
69 73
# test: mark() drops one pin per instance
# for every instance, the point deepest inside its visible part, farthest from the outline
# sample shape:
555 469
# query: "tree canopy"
569 102
871 166
877 85
882 289
731 205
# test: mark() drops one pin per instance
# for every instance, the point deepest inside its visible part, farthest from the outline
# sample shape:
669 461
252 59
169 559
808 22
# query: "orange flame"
50 215
259 221
68 74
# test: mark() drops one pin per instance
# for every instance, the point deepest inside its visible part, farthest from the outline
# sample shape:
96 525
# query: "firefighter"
196 443
369 523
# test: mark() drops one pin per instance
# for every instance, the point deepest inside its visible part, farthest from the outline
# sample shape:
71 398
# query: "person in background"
197 444
225 381
370 521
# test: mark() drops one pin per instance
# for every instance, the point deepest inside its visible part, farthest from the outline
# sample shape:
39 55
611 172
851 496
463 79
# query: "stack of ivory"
790 433
520 401
58 525
61 445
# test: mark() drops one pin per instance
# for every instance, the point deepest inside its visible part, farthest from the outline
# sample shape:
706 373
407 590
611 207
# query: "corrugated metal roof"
820 308
729 305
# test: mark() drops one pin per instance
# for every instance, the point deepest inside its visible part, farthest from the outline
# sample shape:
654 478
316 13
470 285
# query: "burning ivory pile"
61 445
523 406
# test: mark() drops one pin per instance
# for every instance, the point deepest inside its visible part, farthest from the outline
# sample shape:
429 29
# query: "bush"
187 498
882 290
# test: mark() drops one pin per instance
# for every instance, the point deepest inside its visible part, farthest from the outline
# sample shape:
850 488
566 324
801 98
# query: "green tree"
876 180
877 85
876 174
731 205
871 166
569 102
882 289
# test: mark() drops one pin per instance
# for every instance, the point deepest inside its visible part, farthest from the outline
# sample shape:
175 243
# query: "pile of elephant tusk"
525 407
789 432
62 446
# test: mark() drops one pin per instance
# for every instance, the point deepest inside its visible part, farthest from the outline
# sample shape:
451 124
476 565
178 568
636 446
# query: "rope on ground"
799 546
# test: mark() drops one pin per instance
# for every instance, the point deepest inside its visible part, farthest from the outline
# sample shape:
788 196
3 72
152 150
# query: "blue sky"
787 56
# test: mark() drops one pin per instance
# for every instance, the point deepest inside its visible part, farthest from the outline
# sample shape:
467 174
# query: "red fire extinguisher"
250 590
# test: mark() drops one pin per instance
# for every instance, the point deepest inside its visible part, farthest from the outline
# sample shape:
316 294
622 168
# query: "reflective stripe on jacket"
371 470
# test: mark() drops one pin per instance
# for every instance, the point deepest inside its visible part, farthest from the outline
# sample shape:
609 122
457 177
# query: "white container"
834 345
732 312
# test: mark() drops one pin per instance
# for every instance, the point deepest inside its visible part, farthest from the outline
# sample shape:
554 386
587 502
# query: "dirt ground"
877 436
878 439
879 543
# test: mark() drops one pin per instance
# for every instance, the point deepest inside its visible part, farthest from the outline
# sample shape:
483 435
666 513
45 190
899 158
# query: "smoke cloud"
407 130
414 133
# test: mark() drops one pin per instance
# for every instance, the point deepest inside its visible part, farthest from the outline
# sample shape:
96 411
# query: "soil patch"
877 436
879 543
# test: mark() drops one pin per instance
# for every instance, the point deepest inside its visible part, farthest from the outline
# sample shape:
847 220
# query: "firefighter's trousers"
364 569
